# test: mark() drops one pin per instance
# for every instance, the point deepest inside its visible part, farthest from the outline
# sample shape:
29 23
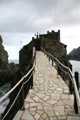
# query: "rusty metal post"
77 83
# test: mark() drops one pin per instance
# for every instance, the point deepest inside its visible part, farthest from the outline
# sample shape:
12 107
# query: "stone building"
50 42
3 56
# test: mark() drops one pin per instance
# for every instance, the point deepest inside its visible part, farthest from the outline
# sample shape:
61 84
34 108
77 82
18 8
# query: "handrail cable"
74 82
16 97
12 103
28 78
66 73
62 69
59 62
8 93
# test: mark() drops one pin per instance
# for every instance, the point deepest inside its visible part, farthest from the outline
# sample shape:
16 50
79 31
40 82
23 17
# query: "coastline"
16 61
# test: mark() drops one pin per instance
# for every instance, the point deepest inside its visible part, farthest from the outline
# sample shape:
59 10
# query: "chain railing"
72 80
22 82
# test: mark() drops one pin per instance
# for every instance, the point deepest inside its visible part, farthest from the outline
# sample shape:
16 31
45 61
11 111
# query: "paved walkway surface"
49 99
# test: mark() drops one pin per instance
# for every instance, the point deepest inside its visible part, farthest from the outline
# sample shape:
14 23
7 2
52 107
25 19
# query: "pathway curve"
49 99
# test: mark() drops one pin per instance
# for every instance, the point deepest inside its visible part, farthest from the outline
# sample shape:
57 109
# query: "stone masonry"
49 99
50 42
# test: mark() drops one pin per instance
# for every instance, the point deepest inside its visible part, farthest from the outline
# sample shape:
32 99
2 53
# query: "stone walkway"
49 99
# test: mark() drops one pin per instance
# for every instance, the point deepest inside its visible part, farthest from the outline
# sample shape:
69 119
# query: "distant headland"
75 54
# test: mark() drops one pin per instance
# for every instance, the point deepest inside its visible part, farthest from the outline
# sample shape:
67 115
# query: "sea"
75 67
15 61
5 88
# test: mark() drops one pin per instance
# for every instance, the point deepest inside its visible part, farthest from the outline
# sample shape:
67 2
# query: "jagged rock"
13 67
3 56
6 69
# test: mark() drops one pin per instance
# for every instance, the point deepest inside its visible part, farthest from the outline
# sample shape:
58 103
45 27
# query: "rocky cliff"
6 69
75 54
3 56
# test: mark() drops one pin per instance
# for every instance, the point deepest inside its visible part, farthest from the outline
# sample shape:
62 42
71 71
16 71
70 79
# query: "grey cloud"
34 15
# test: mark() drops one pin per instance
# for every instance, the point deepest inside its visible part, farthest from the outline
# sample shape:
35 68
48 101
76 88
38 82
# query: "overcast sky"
21 19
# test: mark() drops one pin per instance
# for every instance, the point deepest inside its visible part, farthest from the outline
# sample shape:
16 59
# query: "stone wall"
52 35
25 56
50 42
55 48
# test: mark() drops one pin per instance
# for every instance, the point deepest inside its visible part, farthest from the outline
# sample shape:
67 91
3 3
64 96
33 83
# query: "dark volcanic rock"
5 76
13 67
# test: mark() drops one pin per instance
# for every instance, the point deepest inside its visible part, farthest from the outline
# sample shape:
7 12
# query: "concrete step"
18 115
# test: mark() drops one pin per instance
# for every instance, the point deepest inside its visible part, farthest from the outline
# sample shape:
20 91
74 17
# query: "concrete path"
49 99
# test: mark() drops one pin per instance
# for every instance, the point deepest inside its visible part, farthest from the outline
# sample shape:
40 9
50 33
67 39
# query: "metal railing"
72 81
21 81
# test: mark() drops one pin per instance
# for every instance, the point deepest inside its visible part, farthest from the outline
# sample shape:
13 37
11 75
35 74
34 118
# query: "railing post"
31 80
71 67
49 58
22 91
77 79
70 86
75 100
70 83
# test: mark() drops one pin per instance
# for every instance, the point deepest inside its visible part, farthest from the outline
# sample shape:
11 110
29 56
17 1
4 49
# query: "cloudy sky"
21 19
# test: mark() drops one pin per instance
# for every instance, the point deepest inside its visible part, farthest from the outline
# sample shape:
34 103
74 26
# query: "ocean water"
3 90
75 66
15 61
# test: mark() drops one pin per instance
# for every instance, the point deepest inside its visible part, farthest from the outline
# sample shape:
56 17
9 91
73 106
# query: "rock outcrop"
75 54
3 56
6 70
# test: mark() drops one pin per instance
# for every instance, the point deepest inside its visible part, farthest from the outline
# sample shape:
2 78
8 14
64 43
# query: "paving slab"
27 116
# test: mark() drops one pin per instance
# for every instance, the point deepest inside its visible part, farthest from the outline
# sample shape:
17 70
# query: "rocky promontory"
6 69
75 54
